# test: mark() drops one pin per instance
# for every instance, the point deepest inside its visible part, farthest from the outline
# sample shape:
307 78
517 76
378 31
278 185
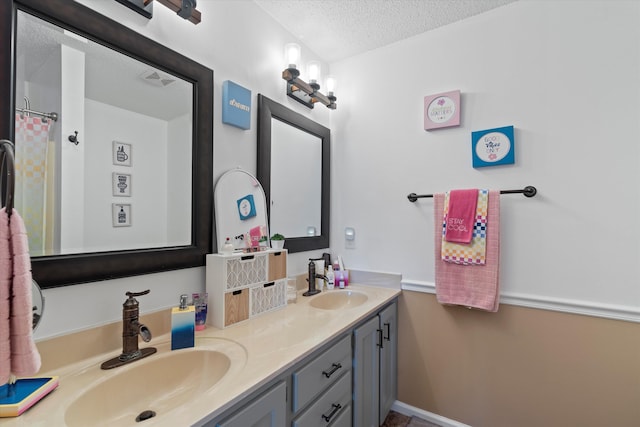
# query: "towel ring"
7 161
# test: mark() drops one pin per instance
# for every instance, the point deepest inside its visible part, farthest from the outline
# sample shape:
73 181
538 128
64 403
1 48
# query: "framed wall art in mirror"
131 91
294 170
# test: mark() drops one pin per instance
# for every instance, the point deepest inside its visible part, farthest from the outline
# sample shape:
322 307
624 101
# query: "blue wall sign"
493 147
236 105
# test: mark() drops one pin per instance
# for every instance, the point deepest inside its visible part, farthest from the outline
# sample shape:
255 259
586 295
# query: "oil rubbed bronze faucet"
131 327
312 276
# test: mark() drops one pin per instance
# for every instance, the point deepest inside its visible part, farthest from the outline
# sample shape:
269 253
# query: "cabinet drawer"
246 270
321 372
268 297
236 306
329 407
277 266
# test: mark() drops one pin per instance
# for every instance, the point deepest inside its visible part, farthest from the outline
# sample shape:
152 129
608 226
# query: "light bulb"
330 84
292 54
313 69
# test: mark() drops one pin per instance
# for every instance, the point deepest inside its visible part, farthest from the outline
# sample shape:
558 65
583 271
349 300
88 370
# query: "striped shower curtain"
32 176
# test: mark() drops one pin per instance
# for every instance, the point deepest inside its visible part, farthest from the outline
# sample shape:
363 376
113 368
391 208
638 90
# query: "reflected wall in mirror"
113 86
293 167
241 211
64 191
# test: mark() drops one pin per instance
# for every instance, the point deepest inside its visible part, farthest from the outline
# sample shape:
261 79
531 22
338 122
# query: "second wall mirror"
293 168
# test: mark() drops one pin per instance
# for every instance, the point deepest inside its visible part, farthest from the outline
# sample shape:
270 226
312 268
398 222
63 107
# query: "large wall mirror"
293 168
114 143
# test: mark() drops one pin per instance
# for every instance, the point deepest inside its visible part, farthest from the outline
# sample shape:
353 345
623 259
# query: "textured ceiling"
338 29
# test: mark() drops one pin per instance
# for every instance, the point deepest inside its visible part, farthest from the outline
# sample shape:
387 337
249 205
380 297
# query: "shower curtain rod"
528 191
53 116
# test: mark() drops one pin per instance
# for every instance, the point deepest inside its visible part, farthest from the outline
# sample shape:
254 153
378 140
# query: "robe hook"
74 138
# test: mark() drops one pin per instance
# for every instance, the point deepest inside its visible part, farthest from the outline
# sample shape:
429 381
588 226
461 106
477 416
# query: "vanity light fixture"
184 8
305 93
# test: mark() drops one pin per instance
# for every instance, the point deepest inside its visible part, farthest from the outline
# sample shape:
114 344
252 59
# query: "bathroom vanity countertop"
270 344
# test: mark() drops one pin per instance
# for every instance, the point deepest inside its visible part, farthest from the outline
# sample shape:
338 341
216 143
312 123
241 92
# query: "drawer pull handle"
236 292
277 254
247 257
266 285
334 368
335 407
388 326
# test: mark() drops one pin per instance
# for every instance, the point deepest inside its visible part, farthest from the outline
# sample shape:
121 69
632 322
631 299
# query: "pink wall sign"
442 110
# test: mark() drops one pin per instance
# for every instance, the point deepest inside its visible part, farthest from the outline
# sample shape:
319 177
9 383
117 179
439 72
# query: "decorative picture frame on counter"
122 153
121 214
442 110
492 147
121 184
246 207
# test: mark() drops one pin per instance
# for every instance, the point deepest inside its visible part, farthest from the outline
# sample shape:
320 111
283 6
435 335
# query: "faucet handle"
131 301
137 294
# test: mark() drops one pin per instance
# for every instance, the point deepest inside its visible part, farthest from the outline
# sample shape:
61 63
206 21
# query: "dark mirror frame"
267 110
62 270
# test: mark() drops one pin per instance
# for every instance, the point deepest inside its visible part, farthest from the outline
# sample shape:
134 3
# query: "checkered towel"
473 253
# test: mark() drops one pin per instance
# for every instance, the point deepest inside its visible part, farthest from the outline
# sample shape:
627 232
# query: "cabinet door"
277 266
365 374
388 359
269 410
236 306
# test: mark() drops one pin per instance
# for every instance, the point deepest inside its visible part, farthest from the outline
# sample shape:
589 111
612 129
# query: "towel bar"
528 191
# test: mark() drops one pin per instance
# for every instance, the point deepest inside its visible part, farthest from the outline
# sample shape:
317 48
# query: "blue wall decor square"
236 105
493 147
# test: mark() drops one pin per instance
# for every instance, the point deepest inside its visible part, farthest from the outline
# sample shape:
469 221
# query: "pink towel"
25 358
462 215
475 286
16 316
6 269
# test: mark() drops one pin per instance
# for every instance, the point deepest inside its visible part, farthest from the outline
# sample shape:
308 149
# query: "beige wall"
518 367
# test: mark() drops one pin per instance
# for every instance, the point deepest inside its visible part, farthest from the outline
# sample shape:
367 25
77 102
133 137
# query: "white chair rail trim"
608 311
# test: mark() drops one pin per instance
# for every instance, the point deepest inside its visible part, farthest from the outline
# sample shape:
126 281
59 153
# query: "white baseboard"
412 411
608 311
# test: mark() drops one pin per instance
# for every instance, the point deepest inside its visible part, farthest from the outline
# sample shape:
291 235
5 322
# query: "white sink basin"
151 387
338 299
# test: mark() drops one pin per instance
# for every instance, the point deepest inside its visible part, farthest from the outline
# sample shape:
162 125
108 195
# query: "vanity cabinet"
268 410
349 381
375 368
241 286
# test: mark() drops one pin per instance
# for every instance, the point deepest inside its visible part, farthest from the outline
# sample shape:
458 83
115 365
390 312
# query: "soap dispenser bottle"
331 279
183 323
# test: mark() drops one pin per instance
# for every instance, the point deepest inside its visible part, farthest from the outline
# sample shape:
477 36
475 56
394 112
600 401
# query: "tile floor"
395 419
